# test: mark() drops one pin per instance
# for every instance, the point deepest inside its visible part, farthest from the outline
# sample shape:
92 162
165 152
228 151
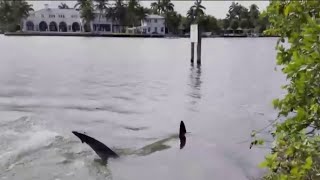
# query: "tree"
63 6
82 4
101 6
234 24
5 14
162 6
157 7
86 12
244 23
226 23
295 153
134 13
12 12
234 11
142 12
173 21
168 6
254 14
196 11
209 24
118 12
254 11
262 23
237 11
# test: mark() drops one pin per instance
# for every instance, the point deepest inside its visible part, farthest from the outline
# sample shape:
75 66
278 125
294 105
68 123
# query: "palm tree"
173 20
157 7
190 13
254 14
63 6
21 9
133 7
5 14
162 6
86 12
12 12
196 11
142 12
168 6
101 6
254 11
81 4
232 10
117 12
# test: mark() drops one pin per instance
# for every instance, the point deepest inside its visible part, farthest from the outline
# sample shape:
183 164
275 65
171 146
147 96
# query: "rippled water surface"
131 94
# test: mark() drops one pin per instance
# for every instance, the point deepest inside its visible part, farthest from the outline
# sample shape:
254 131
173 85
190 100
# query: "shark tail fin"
182 130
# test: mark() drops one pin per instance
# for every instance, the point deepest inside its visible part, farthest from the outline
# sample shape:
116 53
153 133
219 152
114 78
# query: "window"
52 16
149 29
162 29
61 16
156 20
155 29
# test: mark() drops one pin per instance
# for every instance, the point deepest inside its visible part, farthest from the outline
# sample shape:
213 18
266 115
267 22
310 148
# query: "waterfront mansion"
69 20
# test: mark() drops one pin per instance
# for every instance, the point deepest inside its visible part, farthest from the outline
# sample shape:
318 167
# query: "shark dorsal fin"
182 137
103 151
182 130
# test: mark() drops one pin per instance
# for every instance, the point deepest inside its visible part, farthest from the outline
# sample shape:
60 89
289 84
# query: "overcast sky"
216 8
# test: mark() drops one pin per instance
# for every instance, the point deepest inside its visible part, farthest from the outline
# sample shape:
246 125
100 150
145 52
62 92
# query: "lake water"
130 93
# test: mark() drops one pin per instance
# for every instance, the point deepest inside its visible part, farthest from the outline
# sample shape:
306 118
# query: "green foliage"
166 9
234 24
244 23
173 20
296 154
162 6
240 16
196 12
12 12
86 12
209 24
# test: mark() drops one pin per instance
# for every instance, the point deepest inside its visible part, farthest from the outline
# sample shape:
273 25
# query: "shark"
104 152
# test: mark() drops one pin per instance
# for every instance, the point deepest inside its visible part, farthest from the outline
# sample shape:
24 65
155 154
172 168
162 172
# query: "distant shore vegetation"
129 13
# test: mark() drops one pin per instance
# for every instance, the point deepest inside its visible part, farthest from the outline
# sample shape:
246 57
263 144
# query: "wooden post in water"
199 46
192 52
193 38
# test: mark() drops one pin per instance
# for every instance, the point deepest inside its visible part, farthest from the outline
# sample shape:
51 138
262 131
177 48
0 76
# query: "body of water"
131 94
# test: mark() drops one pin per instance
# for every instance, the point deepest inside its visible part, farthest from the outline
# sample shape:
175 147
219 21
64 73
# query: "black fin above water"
103 151
182 133
182 130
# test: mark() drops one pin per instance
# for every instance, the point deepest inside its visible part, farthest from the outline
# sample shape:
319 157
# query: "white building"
64 20
53 19
153 24
69 20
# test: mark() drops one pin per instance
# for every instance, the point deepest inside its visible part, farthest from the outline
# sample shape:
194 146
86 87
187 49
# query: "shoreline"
82 34
120 35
